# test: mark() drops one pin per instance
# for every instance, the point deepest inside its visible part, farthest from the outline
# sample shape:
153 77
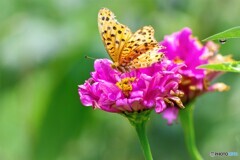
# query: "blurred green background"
42 49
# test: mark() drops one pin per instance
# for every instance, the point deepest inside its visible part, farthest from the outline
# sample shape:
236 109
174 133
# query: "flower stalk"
138 121
186 118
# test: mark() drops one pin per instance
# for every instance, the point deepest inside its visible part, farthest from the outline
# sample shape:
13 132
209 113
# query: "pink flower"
154 87
182 47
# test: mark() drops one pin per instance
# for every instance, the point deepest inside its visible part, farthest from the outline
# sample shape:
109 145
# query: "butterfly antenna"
87 57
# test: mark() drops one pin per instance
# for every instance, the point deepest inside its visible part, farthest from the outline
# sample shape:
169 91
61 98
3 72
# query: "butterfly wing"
139 43
114 35
127 50
147 59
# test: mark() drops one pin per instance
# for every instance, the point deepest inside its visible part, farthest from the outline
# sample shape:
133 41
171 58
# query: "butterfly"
126 49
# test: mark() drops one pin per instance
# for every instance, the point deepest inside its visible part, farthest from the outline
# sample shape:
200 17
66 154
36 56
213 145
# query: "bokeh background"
42 49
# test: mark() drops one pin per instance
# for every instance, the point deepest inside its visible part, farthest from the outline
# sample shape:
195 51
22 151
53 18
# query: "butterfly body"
127 50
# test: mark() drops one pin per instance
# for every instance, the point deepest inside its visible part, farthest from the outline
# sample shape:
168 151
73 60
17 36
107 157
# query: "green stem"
138 121
186 118
141 132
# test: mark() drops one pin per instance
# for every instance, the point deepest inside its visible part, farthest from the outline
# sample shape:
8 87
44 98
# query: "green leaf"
230 33
226 67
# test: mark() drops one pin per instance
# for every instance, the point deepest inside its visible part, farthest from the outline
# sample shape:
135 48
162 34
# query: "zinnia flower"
154 87
182 47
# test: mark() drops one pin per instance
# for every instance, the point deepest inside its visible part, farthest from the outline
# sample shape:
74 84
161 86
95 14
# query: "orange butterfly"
127 50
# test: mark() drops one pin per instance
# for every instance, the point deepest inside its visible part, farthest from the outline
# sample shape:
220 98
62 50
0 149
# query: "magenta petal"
143 88
84 96
170 114
88 93
160 106
181 45
103 71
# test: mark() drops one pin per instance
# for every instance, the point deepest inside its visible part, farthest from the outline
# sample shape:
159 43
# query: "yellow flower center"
126 85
